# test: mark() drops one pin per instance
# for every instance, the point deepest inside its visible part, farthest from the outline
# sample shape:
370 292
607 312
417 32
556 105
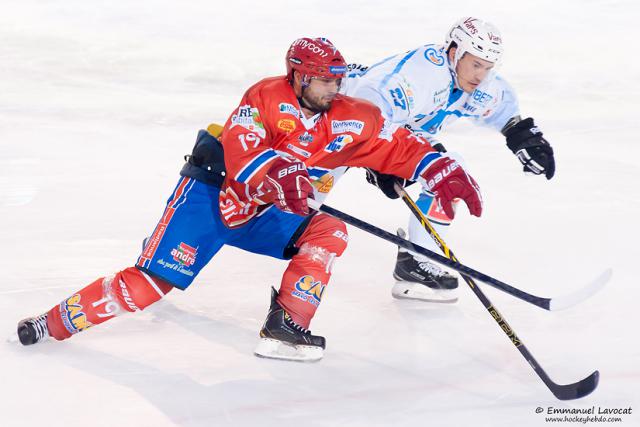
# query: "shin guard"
306 277
127 291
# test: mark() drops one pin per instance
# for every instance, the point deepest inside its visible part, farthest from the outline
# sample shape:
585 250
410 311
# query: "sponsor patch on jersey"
72 315
184 254
469 108
309 290
441 96
285 108
434 56
344 126
299 151
286 125
338 143
324 184
481 97
249 118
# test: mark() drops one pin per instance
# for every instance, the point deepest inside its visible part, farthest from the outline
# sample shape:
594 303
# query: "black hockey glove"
525 140
385 182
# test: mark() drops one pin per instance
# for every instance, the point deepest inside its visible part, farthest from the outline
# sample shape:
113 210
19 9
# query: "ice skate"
32 330
282 338
422 280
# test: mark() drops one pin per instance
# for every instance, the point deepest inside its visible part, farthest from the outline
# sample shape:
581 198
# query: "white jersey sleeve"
403 85
497 103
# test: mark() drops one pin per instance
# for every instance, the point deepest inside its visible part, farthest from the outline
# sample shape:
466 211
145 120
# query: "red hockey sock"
304 281
129 290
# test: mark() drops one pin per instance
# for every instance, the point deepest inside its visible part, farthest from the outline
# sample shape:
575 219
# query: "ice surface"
98 103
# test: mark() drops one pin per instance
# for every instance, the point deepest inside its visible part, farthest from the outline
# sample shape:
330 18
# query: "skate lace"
432 269
40 326
297 327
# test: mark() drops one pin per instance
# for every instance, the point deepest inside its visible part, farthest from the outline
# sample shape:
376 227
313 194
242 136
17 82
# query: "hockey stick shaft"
562 392
426 224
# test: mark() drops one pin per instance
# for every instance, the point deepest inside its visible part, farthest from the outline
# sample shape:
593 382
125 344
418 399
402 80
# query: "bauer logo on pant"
184 254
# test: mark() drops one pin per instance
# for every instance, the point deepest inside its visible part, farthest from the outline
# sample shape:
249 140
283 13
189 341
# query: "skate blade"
416 291
274 349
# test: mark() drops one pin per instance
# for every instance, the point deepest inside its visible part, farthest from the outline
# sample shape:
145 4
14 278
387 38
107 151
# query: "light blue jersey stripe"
397 68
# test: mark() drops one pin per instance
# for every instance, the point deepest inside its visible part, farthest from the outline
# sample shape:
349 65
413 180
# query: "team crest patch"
434 56
286 125
338 143
309 290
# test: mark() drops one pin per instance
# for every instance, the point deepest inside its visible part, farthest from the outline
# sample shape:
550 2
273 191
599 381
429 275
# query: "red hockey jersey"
269 123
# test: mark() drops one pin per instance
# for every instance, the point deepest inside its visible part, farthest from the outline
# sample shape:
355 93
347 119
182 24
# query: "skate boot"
282 338
33 330
422 280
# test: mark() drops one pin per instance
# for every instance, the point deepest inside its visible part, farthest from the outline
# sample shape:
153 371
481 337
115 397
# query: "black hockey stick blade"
575 390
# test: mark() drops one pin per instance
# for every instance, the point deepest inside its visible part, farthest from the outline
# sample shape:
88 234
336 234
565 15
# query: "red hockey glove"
449 181
289 181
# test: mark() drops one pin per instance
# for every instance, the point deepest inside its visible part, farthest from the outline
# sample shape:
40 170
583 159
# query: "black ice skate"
282 338
422 280
33 330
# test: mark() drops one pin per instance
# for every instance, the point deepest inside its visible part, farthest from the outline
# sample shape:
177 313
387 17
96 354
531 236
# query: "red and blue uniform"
203 215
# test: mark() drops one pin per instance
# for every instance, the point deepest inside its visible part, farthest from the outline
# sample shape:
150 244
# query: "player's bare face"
319 94
471 71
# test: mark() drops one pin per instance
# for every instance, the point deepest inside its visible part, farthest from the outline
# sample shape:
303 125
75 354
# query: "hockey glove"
448 181
385 182
525 140
289 181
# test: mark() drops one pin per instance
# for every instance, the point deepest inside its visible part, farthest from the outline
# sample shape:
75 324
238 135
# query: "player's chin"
324 105
469 87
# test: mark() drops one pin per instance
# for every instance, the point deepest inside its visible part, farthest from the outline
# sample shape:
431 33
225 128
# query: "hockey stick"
561 391
551 304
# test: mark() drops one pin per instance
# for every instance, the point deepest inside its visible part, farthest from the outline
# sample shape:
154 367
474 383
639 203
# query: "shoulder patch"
435 56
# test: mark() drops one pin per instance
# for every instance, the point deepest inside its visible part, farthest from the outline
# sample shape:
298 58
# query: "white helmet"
477 37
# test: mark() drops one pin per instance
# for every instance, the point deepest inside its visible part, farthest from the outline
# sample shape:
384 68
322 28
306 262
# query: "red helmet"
315 58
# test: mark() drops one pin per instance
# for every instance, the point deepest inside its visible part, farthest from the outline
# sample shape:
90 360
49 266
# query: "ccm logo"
442 175
291 169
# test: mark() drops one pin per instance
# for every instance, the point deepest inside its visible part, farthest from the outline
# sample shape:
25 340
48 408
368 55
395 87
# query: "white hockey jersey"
416 90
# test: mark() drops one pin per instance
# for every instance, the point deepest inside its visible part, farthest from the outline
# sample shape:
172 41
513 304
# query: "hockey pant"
322 240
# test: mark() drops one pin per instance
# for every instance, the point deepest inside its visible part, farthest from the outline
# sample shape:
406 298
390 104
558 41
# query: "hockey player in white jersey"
426 89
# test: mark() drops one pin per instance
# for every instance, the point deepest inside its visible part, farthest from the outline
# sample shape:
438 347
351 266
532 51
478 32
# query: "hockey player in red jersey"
288 140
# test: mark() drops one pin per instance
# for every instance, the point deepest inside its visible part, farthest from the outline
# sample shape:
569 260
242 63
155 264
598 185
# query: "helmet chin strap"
452 69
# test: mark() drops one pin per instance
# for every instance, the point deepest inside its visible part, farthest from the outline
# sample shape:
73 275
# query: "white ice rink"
99 101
